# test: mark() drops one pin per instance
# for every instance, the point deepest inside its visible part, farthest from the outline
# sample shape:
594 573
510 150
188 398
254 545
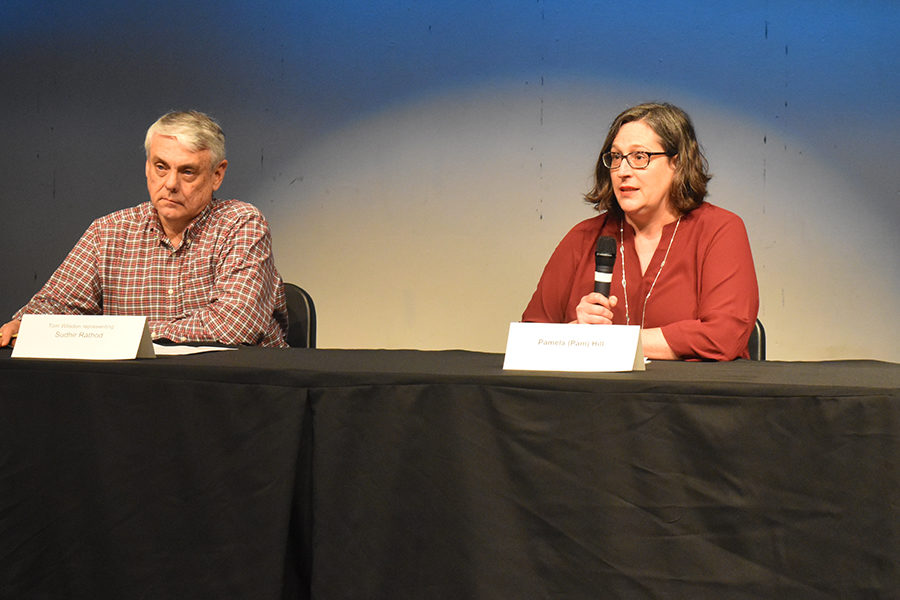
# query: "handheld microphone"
605 259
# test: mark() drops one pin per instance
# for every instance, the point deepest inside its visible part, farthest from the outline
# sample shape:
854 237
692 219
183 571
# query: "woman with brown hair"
683 271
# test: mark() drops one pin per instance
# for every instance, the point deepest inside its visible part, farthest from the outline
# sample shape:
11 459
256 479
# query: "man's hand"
8 333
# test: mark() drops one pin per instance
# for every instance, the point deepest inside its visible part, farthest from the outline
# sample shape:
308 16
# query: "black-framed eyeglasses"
639 159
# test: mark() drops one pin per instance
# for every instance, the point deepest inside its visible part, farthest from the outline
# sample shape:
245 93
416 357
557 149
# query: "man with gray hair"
200 268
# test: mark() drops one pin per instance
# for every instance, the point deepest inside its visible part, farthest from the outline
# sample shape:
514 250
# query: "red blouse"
705 299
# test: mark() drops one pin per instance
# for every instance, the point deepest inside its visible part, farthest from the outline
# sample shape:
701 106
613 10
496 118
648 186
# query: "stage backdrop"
419 160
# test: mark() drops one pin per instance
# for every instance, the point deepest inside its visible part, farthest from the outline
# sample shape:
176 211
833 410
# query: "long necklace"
624 285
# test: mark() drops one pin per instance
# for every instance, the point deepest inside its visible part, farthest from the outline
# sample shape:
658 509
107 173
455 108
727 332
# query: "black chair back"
301 317
757 344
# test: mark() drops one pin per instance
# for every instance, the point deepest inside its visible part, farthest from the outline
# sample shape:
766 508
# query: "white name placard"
86 337
573 347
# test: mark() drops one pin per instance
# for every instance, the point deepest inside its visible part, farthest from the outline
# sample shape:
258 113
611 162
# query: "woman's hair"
675 130
192 128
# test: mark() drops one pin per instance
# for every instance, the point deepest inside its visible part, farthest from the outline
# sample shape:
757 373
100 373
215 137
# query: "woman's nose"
623 165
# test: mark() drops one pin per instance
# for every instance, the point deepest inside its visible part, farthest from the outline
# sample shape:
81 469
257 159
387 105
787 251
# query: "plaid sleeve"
74 288
243 297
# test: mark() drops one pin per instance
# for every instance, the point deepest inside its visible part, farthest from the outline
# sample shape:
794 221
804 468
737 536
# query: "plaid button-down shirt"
219 285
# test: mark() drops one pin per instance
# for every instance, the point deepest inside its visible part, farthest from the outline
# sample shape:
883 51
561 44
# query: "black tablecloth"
403 474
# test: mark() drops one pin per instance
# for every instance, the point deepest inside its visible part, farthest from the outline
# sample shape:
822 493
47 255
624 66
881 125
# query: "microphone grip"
605 259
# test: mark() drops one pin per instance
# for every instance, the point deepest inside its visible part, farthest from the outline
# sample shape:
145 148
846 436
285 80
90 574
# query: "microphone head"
606 249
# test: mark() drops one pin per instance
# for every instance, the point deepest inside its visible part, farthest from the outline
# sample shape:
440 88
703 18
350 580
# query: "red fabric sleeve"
562 283
728 296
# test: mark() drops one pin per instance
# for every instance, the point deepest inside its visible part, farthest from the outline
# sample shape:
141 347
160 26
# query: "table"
403 474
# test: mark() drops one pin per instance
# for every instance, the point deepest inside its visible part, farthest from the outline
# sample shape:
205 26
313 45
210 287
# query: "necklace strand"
624 285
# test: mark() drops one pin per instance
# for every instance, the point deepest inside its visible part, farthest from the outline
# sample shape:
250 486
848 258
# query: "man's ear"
219 174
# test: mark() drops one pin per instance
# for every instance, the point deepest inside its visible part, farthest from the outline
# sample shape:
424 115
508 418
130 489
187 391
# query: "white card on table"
85 337
573 347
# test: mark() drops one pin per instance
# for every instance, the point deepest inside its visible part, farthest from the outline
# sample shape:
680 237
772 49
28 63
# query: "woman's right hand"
595 309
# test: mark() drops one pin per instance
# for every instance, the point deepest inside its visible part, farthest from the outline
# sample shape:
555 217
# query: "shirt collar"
151 221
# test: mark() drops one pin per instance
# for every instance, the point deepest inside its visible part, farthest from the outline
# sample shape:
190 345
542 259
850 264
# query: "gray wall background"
419 161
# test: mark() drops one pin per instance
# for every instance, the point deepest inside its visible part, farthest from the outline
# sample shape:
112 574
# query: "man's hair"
192 128
676 132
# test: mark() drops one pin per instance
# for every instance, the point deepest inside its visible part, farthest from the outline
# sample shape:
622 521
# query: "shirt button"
171 291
